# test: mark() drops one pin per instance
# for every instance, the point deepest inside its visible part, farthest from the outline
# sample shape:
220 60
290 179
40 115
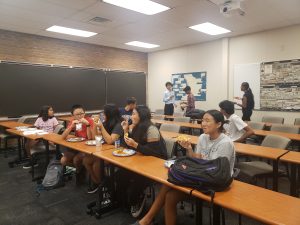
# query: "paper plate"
123 152
75 139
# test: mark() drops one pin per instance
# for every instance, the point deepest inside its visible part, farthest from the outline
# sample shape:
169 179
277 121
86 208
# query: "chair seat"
5 135
255 168
41 148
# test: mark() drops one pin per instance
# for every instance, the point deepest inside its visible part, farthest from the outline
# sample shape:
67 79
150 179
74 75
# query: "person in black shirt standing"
247 101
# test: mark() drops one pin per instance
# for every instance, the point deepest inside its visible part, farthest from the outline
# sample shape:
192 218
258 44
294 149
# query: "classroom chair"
254 139
6 136
297 122
285 128
40 148
159 111
272 119
170 145
256 169
179 114
170 127
185 120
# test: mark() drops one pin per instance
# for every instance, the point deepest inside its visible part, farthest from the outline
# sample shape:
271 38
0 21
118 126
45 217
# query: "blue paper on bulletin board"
197 82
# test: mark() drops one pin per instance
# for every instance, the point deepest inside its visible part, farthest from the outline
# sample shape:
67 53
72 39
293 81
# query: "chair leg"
240 219
5 148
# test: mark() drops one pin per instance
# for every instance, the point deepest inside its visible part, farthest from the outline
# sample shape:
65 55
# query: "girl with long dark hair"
46 122
143 137
111 131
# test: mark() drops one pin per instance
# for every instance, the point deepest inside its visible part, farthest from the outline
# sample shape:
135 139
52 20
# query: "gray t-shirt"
220 147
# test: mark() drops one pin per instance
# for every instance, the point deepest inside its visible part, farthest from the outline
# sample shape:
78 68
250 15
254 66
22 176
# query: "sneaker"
136 210
93 188
28 165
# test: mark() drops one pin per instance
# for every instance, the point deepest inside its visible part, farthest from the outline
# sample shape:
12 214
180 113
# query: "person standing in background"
190 104
169 99
247 101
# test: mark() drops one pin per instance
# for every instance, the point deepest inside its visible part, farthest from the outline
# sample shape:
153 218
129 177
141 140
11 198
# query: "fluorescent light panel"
141 44
210 29
70 31
142 6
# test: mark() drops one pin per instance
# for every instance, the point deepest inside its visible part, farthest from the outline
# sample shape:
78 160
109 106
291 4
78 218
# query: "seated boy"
126 112
83 127
237 129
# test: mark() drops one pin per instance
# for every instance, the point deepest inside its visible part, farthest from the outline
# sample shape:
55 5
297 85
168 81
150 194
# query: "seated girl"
111 131
142 136
213 143
46 122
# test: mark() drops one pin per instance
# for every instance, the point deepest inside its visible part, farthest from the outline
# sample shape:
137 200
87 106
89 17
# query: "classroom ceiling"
168 29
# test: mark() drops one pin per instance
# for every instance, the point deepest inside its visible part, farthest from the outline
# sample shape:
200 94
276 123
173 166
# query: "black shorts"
246 115
169 109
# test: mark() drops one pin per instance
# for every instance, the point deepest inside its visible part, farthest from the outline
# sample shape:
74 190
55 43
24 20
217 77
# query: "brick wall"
22 47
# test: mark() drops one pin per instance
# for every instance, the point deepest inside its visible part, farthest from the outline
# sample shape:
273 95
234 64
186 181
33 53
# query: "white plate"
75 139
124 152
93 142
169 163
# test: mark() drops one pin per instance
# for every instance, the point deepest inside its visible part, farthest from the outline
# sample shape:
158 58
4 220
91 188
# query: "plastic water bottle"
117 144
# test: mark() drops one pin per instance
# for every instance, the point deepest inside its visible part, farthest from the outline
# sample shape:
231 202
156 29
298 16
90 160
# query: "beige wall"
218 58
279 44
203 57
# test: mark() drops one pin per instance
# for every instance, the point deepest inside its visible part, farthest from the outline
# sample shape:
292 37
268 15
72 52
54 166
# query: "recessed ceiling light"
70 31
142 6
141 44
210 29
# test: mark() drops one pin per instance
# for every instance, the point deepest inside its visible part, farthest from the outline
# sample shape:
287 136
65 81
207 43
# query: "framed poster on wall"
197 82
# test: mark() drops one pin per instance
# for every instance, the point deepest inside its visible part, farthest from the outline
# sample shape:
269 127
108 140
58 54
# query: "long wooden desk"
294 159
182 124
252 150
294 137
13 124
78 146
258 203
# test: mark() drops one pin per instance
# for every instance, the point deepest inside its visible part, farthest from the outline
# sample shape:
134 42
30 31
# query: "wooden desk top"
147 166
78 146
258 203
13 124
291 157
261 204
253 150
20 133
259 151
295 137
182 124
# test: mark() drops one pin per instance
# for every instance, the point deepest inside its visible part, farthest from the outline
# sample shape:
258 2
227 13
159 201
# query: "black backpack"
203 175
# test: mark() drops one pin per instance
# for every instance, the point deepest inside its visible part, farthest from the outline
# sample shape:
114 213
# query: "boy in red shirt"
83 127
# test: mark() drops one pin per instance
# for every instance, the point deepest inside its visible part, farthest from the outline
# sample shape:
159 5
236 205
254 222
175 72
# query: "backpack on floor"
203 175
53 177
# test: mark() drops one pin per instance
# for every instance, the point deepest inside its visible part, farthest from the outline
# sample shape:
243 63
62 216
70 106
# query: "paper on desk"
29 132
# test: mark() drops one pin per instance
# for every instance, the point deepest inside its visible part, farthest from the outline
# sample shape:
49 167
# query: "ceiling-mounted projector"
232 7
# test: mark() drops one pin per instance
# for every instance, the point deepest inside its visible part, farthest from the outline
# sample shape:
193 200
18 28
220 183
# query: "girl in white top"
211 145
